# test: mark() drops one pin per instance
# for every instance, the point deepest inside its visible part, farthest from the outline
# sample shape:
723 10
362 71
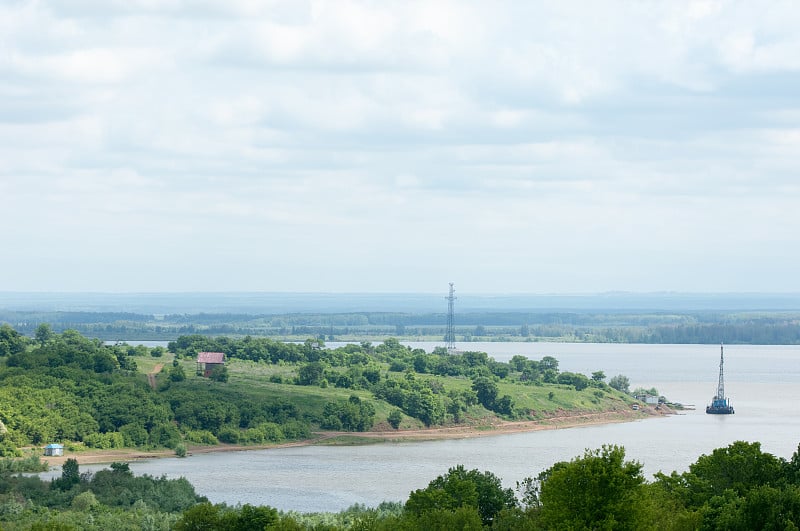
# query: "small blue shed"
54 450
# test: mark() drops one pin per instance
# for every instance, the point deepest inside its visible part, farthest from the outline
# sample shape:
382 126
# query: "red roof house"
207 361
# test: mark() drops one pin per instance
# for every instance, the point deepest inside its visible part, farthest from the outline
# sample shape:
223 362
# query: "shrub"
180 450
201 437
394 418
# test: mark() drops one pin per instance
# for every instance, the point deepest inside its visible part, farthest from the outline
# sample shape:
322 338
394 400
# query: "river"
763 383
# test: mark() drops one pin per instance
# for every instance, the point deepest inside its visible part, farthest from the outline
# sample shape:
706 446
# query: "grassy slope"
252 379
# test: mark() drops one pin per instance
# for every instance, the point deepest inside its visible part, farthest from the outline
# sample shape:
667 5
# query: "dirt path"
566 420
151 376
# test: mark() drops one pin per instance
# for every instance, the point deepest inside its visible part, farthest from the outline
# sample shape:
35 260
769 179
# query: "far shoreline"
333 438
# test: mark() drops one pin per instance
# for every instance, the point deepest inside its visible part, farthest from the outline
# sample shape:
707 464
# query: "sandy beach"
561 421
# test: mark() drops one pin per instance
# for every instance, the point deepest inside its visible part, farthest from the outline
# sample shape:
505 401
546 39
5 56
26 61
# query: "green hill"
77 391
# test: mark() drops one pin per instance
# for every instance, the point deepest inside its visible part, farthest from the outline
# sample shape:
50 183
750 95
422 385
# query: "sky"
363 146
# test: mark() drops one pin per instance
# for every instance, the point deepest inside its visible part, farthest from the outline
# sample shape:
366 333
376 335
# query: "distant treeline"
611 327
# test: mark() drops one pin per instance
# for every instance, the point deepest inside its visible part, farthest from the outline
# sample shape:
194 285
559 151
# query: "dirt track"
151 376
454 432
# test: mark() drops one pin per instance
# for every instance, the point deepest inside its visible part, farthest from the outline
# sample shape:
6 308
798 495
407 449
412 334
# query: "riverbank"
563 420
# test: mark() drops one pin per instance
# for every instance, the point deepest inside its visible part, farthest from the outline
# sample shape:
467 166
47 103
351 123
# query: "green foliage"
620 383
353 415
85 501
219 373
578 381
736 468
201 437
44 333
31 463
414 396
311 373
180 450
394 418
599 490
486 390
738 488
641 391
463 488
11 341
104 441
70 475
213 517
177 373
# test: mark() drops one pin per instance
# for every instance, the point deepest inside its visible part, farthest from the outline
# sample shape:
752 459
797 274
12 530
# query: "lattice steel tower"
721 385
450 334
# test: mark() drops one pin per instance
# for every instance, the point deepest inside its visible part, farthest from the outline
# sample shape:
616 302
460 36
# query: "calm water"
762 381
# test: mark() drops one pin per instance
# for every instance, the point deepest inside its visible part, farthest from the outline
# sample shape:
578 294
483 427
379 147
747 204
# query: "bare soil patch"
499 427
151 376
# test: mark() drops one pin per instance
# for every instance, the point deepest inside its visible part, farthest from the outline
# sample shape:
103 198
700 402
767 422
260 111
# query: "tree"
504 406
620 383
548 362
43 334
177 374
462 488
597 491
70 475
311 373
518 362
85 501
739 467
486 390
394 418
11 341
180 450
219 373
598 376
201 516
579 381
353 415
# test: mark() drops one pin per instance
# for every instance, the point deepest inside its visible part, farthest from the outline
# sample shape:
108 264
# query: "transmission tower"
450 334
721 385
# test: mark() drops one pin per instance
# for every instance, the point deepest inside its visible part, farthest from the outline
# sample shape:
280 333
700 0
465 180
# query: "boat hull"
724 410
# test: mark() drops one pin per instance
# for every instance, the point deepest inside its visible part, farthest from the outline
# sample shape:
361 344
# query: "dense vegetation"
632 326
738 487
83 393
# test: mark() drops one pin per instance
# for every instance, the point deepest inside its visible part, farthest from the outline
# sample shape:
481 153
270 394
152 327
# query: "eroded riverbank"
562 421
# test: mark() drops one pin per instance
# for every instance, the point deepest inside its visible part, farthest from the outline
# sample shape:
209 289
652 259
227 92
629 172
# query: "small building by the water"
54 450
207 361
650 400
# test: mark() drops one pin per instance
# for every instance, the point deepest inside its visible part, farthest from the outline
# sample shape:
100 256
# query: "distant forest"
606 326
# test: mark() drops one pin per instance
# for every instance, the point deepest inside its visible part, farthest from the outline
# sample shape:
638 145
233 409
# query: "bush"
394 418
353 415
294 429
228 435
219 373
201 437
180 450
177 374
85 501
104 441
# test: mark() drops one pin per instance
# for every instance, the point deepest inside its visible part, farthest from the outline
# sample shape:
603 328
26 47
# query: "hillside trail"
151 376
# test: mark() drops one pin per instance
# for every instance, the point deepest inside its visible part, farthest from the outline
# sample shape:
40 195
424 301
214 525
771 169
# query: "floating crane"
719 404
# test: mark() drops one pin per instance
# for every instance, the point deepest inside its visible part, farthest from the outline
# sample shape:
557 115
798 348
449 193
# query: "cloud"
519 144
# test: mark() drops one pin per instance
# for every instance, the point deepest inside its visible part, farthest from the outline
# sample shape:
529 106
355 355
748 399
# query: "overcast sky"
347 146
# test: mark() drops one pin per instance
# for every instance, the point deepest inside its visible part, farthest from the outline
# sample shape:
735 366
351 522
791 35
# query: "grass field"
254 379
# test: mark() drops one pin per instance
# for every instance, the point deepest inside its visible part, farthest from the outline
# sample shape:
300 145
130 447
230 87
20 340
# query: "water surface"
762 381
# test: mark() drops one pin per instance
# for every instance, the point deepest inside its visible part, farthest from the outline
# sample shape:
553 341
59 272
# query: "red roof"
210 357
